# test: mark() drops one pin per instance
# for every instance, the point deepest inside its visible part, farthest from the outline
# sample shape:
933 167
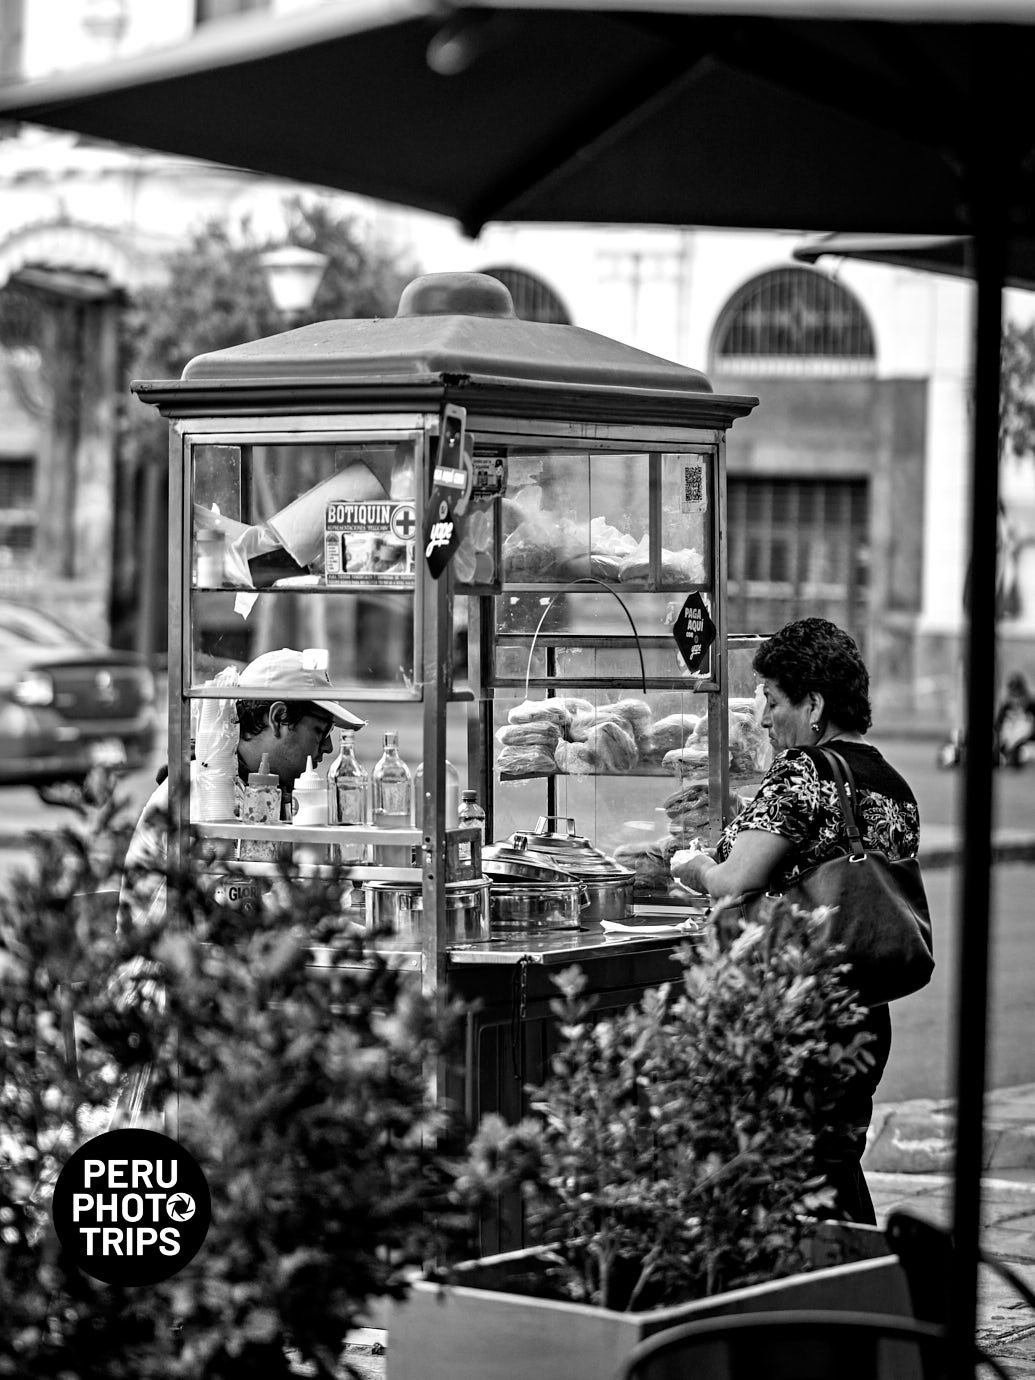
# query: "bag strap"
845 783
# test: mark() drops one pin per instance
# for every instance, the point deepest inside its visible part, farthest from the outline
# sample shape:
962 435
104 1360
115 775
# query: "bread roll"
540 711
542 734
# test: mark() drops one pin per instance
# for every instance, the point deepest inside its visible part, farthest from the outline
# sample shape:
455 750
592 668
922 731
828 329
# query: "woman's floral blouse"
798 800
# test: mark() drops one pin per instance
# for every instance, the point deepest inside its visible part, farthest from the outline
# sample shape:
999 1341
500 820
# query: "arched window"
793 321
533 300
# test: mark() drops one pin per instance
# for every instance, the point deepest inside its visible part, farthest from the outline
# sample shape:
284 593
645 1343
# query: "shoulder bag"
878 908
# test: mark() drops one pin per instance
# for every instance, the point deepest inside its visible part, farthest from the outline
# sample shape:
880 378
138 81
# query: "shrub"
304 1094
671 1152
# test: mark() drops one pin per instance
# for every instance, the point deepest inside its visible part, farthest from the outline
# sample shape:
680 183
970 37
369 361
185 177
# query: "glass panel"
304 514
369 636
474 562
577 664
570 515
685 499
587 614
577 623
612 769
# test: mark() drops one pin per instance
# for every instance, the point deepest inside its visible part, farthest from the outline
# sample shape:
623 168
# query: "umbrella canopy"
949 254
776 115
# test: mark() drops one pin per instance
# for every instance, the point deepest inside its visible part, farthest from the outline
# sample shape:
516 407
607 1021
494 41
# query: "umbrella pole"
975 886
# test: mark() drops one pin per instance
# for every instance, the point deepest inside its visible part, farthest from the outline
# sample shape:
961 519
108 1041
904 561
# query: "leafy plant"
671 1152
303 1093
211 294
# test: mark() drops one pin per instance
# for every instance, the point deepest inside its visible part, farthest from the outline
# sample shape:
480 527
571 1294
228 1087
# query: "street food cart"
508 539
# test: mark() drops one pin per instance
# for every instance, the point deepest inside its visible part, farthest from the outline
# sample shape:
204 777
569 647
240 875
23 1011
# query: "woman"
816 690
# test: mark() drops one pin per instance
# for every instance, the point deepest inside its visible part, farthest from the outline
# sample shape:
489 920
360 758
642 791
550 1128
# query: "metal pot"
535 907
398 907
608 886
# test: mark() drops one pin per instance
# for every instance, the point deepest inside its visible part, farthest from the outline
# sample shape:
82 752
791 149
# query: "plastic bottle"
260 804
348 796
211 550
310 796
391 785
452 796
471 812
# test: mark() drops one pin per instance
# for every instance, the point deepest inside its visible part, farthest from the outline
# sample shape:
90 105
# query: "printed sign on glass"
694 632
370 542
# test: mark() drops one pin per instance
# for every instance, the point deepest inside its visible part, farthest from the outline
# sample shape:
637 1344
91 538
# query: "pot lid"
519 863
570 850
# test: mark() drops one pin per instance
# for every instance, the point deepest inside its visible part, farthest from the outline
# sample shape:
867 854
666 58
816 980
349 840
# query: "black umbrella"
855 115
952 255
780 114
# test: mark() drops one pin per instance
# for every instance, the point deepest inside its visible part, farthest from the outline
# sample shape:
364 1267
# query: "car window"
20 625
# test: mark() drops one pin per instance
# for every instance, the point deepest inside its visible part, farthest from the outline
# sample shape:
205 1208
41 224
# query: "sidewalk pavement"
908 1164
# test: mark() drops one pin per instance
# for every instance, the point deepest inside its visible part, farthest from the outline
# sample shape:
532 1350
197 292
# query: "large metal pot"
398 907
535 907
608 886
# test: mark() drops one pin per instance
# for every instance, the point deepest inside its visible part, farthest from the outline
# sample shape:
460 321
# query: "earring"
814 726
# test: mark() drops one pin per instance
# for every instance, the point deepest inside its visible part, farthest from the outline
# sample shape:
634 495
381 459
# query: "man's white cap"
286 669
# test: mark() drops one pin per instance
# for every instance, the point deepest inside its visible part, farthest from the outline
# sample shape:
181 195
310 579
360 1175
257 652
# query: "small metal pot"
608 886
398 907
534 907
608 898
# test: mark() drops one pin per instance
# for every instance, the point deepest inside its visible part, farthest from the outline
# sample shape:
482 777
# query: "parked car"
67 702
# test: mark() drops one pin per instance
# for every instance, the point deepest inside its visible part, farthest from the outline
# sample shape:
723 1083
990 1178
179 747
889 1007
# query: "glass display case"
496 535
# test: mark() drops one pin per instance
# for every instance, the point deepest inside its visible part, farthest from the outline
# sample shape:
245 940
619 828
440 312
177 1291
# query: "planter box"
480 1330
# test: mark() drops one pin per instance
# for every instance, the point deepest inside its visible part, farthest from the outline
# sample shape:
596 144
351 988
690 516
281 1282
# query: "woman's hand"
752 859
689 867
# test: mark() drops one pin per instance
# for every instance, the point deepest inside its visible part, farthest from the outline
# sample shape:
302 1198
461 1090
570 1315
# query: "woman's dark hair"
253 715
816 655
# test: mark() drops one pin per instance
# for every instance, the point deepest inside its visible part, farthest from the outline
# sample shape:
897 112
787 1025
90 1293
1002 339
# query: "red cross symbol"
403 522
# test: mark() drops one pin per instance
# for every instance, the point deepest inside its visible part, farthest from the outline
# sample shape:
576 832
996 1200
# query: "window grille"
18 520
533 300
793 321
797 548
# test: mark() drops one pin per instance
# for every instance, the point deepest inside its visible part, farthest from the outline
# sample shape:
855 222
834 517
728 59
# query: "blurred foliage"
214 295
672 1151
1017 390
303 1093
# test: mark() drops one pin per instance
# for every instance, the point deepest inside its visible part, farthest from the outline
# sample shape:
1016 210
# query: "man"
288 731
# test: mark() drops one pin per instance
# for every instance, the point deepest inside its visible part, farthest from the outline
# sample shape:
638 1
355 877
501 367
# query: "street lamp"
293 274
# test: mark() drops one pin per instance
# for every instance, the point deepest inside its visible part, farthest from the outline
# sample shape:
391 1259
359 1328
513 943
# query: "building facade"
847 485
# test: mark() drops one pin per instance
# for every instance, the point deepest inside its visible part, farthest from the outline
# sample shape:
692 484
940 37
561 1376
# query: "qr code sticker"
693 496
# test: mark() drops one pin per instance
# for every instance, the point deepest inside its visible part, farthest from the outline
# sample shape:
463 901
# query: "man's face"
310 736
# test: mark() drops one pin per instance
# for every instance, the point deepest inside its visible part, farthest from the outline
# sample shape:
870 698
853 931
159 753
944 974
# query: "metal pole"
987 202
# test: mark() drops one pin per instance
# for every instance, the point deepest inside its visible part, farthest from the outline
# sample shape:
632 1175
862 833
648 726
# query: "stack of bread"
748 745
528 741
667 734
750 751
651 863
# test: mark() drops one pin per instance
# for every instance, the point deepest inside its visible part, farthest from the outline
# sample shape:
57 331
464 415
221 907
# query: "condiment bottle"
260 804
392 793
211 549
452 796
348 796
310 796
471 812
